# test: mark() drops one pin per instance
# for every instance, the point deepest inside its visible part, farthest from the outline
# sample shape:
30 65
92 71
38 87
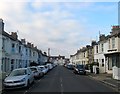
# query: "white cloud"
56 29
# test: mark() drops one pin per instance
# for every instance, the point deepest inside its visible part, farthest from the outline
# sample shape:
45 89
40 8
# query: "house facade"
113 52
106 52
15 53
99 50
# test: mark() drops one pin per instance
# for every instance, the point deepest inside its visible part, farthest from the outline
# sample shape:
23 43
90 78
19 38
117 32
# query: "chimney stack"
115 30
14 35
28 44
93 43
102 37
1 26
23 41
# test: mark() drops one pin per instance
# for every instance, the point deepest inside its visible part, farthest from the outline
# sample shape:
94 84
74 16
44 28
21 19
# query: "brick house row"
15 53
106 52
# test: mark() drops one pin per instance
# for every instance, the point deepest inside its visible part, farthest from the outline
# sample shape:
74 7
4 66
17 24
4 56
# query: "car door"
31 78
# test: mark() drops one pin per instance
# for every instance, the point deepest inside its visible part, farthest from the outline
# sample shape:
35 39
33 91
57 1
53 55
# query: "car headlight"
76 69
23 80
5 81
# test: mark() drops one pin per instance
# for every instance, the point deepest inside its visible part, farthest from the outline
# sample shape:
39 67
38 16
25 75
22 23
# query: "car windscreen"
80 66
18 72
42 68
33 69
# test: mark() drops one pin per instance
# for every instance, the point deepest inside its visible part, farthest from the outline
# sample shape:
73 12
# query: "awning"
113 53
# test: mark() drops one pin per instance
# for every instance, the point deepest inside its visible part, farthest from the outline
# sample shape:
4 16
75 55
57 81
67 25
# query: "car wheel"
84 73
33 81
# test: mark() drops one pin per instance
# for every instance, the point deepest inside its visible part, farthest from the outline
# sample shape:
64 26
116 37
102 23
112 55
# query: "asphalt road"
63 80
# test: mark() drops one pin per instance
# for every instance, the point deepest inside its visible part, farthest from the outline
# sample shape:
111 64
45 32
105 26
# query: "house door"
109 63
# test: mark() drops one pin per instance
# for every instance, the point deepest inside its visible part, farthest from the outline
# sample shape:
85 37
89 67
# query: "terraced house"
113 52
99 50
106 52
15 53
84 56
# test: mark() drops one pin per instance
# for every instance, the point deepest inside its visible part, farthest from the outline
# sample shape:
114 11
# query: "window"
12 64
96 49
102 48
19 49
26 51
102 62
84 54
13 47
109 43
113 42
29 52
3 44
96 60
33 53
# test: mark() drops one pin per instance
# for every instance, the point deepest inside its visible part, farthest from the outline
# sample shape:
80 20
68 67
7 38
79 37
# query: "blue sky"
62 26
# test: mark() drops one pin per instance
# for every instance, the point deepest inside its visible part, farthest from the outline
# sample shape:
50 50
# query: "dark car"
70 67
79 69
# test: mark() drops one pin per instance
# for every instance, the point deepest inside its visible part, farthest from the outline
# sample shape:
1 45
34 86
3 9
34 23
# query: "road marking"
61 85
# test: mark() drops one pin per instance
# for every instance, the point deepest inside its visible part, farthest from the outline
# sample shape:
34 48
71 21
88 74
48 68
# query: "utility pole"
48 54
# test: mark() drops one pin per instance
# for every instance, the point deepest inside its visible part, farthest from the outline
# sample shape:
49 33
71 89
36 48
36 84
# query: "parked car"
46 66
18 78
37 72
54 64
70 66
43 69
49 66
79 69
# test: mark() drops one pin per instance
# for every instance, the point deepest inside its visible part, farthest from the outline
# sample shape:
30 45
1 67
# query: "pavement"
106 79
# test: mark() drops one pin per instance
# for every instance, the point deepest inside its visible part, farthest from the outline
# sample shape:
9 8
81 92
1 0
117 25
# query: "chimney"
93 43
28 44
14 35
115 30
102 37
35 47
1 26
23 41
87 46
32 45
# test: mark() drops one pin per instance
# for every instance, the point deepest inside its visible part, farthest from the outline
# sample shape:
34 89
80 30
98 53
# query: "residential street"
63 80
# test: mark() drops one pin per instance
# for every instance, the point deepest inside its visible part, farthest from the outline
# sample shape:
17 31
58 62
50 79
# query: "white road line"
61 85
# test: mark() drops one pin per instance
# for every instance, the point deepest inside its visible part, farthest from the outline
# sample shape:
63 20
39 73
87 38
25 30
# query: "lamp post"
48 54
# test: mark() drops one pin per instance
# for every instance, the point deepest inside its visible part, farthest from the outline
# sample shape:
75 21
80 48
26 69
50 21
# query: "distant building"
57 59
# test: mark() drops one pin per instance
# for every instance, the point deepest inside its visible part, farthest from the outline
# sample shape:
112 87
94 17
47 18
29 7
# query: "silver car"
36 71
18 78
43 69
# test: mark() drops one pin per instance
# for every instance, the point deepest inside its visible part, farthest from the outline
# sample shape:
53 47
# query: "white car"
18 78
37 71
49 66
46 68
43 69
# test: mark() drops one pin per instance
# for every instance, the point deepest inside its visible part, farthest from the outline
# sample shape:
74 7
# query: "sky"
62 26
